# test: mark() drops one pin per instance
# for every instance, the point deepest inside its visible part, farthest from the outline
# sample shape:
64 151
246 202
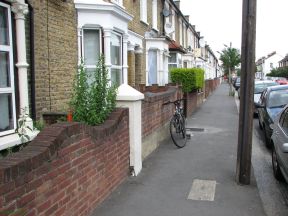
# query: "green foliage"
279 72
230 58
92 103
39 125
9 151
22 128
190 78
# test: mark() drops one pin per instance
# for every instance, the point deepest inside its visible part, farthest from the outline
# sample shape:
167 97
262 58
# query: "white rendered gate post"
131 98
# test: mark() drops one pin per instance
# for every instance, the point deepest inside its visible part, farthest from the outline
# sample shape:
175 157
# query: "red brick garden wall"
154 113
68 169
210 86
191 102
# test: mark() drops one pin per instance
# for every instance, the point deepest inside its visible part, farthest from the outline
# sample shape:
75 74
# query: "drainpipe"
32 61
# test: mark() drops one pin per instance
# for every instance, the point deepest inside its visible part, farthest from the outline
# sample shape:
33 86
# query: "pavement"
197 180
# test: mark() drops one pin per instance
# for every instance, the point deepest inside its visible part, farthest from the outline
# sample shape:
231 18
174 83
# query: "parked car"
236 83
282 81
259 87
280 145
272 101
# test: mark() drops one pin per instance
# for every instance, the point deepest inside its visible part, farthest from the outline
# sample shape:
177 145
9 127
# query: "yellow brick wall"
55 39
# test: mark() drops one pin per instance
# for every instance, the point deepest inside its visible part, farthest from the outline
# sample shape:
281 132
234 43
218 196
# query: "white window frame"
82 45
118 2
143 11
180 32
173 17
185 35
121 57
154 15
11 89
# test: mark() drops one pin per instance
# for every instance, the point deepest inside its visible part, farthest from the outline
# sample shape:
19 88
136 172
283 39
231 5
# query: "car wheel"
275 165
267 139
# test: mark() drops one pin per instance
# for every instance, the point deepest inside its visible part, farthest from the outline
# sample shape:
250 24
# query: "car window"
285 121
260 87
262 98
282 117
278 98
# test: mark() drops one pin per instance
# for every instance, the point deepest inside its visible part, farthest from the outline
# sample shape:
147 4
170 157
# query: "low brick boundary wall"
156 117
154 113
211 85
68 169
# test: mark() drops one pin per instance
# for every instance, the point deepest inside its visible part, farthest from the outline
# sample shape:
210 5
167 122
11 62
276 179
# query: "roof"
174 46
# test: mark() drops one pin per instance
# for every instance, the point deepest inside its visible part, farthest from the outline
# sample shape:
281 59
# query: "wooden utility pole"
245 132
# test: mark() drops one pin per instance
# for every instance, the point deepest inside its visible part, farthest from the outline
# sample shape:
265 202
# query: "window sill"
144 22
13 140
155 29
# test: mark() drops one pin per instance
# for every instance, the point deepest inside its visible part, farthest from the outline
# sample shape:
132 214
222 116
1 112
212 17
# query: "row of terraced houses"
68 169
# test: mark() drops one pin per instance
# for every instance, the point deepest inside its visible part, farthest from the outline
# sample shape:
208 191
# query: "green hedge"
190 78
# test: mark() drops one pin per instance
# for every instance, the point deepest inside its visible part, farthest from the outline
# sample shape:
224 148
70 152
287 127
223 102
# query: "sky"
220 22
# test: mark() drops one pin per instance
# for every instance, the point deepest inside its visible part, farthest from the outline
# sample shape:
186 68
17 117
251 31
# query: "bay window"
7 88
152 70
143 10
91 50
116 58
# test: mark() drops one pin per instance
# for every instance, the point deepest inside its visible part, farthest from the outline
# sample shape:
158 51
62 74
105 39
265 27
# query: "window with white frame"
116 58
174 60
7 88
154 14
185 34
152 67
91 41
143 10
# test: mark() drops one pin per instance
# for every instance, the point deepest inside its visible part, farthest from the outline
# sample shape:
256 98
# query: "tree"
230 58
279 72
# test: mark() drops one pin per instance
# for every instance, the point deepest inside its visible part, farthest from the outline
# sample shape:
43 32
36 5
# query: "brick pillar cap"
127 93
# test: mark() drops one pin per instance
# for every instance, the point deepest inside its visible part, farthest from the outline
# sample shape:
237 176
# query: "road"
274 194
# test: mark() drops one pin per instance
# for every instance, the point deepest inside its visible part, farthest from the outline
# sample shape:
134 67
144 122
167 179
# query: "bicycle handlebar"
175 102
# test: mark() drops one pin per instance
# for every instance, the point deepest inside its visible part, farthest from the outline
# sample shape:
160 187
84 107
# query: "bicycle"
177 125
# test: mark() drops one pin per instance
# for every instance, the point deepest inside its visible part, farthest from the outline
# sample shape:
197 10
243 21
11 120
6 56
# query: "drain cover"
202 190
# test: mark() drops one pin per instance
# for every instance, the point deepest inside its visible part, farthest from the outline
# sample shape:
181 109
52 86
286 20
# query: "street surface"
274 194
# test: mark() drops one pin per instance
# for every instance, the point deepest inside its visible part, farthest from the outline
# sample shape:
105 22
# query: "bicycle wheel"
178 131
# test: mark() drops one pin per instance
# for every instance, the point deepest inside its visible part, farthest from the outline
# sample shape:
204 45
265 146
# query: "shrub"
93 98
190 78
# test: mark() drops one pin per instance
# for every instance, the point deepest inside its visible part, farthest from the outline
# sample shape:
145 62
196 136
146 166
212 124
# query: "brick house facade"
38 73
36 67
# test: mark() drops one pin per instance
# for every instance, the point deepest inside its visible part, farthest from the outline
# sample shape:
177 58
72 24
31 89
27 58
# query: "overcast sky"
220 22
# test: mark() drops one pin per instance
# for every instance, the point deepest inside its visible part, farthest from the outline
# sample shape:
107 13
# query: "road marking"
203 190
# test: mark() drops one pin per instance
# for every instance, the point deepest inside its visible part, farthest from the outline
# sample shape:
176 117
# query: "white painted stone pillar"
161 68
166 71
147 67
131 98
125 59
107 51
20 9
79 32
